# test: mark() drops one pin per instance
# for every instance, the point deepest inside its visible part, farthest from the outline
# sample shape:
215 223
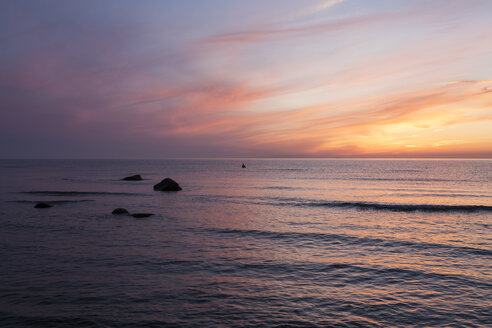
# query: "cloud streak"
318 131
94 80
275 33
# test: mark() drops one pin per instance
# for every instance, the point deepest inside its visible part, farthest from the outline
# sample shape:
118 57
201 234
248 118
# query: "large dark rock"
136 177
167 185
141 215
43 205
119 211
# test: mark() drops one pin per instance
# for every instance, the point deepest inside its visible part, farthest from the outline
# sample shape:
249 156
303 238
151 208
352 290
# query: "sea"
279 243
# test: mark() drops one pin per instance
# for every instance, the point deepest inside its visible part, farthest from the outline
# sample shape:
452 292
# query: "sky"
240 79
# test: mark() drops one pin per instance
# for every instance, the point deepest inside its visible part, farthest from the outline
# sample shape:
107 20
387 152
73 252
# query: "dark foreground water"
281 243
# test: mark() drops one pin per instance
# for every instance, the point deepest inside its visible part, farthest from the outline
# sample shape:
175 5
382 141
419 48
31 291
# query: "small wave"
336 239
286 188
392 207
280 188
294 170
406 207
451 195
357 273
403 179
407 170
54 201
47 321
286 170
79 193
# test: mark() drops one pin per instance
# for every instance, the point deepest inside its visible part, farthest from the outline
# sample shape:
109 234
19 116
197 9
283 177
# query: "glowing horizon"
339 78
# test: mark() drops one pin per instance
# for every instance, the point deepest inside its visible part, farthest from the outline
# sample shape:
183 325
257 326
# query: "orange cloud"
383 127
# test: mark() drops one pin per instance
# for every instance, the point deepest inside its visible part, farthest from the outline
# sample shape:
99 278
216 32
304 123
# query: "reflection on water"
281 242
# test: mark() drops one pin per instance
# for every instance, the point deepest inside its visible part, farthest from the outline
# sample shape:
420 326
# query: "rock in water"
167 185
141 215
136 177
42 205
119 211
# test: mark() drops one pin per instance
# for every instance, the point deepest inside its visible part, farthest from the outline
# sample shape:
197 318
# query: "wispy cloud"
319 131
320 7
280 32
337 78
325 5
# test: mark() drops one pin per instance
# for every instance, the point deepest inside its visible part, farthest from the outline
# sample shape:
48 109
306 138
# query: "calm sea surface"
280 243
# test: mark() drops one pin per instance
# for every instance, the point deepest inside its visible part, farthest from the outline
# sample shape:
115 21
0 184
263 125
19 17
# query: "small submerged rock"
136 177
141 215
167 185
120 211
43 205
123 211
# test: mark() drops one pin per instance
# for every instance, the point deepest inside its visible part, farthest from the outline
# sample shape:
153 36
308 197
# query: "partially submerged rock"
123 211
136 177
120 211
141 215
167 185
43 205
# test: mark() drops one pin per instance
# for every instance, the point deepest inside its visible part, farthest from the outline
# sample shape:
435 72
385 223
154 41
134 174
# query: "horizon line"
249 158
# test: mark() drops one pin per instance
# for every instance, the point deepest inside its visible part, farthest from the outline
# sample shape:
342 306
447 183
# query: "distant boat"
243 166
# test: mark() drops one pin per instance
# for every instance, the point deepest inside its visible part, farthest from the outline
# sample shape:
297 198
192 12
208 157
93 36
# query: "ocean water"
280 243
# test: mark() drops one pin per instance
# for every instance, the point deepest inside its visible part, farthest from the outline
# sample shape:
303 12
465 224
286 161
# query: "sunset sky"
286 78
